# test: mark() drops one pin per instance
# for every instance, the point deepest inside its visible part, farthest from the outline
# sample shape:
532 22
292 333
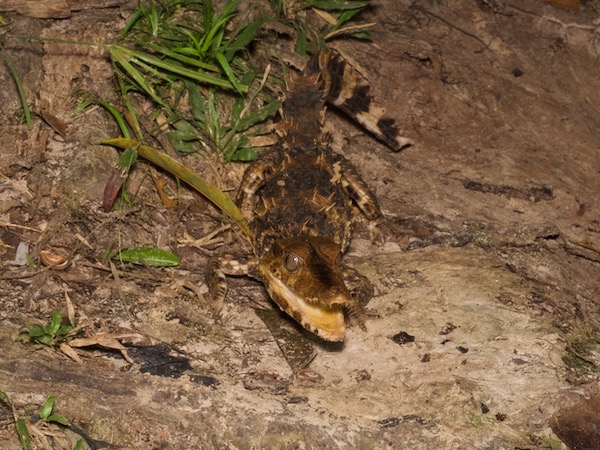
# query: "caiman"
299 199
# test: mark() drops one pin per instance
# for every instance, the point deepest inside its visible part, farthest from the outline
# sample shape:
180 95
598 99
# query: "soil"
484 327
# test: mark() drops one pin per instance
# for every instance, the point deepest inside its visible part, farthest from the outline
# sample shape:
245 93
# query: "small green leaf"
36 331
232 147
254 118
242 40
152 256
64 330
244 155
47 407
182 136
23 434
55 321
79 445
301 41
57 418
343 18
45 340
183 146
184 125
197 101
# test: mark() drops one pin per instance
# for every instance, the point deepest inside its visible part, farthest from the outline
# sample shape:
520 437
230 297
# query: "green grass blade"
131 22
117 116
179 55
122 56
227 69
126 55
243 39
57 418
23 434
216 27
333 5
212 193
152 256
343 18
17 80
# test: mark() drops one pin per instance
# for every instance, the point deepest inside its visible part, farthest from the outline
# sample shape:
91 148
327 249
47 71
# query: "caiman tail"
330 78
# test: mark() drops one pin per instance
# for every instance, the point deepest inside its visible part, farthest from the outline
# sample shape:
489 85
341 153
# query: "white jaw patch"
326 322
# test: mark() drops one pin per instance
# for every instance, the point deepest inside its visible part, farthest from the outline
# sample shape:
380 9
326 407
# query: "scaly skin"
299 202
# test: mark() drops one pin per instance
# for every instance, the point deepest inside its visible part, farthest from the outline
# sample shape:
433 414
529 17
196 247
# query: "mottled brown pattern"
299 202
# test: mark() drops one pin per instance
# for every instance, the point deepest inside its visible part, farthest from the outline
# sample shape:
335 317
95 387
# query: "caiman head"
303 276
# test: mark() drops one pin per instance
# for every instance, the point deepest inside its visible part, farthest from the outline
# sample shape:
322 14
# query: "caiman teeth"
326 321
330 303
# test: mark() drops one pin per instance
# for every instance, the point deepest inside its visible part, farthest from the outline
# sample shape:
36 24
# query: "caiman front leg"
358 191
216 275
253 179
361 290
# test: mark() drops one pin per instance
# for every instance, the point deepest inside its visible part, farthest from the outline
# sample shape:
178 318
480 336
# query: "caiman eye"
292 262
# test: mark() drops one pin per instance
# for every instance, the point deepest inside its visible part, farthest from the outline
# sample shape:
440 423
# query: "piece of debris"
579 425
533 194
403 338
160 360
269 382
447 328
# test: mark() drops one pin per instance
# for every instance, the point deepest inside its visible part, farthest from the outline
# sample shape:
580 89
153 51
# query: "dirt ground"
485 325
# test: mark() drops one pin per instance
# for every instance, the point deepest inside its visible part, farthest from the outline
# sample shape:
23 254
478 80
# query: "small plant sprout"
33 433
48 415
53 333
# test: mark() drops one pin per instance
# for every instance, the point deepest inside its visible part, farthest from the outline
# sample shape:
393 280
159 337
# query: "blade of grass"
127 56
122 56
117 116
216 27
242 40
23 434
338 5
227 69
179 55
132 21
212 193
17 80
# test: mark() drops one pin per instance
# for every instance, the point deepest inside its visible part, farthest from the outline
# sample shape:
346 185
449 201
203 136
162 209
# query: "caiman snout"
336 295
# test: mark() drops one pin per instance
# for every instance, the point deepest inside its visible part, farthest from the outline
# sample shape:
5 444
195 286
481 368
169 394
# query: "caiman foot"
216 277
361 290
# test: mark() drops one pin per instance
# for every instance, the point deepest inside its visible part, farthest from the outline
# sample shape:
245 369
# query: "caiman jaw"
302 275
326 321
